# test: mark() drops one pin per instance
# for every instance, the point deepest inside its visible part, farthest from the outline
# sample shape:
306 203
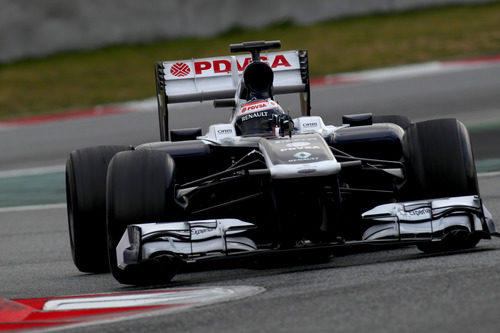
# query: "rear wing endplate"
218 78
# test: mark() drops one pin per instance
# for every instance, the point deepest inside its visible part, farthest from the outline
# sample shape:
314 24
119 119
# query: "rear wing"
218 78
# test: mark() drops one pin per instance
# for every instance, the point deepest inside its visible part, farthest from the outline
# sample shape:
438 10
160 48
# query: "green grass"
121 73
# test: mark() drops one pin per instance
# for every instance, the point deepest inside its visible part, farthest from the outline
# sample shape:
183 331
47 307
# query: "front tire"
140 189
440 163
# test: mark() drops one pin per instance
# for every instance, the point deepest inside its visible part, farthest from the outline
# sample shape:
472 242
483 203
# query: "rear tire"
439 164
140 189
86 204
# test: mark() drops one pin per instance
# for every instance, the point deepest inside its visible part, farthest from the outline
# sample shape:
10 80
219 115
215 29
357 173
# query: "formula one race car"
267 183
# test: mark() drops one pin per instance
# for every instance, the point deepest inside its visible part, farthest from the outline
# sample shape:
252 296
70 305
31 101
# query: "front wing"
404 222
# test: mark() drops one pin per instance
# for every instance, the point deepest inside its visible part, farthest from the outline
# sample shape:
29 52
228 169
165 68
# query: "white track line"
63 205
234 293
61 168
489 174
32 207
32 171
404 71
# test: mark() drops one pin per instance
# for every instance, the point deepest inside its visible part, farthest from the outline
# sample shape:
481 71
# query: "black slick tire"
140 189
440 163
86 171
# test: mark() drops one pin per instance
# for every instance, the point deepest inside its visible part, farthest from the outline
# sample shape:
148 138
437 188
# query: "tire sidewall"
140 189
439 160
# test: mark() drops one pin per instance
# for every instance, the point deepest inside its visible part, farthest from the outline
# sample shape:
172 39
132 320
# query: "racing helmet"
258 117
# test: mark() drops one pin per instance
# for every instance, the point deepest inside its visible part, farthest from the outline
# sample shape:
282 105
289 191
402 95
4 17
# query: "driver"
260 117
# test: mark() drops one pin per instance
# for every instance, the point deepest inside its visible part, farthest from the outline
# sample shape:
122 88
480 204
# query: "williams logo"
302 155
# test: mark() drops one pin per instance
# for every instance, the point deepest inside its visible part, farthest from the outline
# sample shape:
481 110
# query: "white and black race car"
266 182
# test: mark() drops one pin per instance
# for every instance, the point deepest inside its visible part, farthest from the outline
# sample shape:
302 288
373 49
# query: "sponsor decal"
298 144
254 115
300 148
221 131
285 141
225 131
280 60
307 159
221 66
258 106
218 66
309 125
302 155
180 69
200 231
420 212
224 65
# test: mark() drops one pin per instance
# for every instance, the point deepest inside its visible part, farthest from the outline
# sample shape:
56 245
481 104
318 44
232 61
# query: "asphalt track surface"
397 290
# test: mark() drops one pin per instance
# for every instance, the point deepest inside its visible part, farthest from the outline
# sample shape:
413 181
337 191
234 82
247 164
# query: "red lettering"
280 60
201 66
221 66
255 107
246 62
